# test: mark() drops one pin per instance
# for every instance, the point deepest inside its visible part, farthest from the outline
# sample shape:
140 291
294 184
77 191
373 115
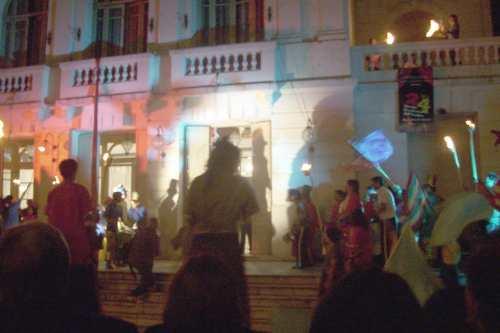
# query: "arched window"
26 32
231 21
122 26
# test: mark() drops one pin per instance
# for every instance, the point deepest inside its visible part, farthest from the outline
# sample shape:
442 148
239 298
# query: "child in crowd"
143 248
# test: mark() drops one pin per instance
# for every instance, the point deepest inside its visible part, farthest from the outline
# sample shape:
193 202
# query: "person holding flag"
386 211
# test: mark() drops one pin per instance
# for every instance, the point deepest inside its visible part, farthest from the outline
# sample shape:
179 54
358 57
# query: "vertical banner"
416 99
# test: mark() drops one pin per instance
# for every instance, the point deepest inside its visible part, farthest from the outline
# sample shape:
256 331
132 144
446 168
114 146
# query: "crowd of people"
48 280
364 227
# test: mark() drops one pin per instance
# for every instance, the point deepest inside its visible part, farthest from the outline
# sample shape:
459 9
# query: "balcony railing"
445 54
228 64
24 84
116 75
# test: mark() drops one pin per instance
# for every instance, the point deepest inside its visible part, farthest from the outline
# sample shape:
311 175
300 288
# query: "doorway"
118 154
254 141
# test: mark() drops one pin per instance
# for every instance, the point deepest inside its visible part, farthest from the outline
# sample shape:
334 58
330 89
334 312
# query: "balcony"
450 58
226 64
24 84
128 74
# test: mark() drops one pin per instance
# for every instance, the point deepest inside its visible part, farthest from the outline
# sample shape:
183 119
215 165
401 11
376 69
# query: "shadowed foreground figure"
34 286
203 297
483 289
216 202
68 209
369 301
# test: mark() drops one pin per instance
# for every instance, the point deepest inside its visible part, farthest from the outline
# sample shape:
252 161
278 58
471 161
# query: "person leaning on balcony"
215 203
68 208
453 31
374 59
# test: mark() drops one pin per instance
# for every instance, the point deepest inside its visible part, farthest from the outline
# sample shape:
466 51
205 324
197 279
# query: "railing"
239 62
109 73
233 63
24 84
437 53
121 74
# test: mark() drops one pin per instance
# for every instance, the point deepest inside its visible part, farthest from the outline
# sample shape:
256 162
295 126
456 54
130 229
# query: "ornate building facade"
279 77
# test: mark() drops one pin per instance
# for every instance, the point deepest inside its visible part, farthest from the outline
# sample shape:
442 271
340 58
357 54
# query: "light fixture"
434 27
42 149
2 134
390 38
306 168
470 124
56 180
105 157
159 142
16 182
308 132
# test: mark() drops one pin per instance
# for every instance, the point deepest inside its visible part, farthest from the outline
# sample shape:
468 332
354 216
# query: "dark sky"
495 13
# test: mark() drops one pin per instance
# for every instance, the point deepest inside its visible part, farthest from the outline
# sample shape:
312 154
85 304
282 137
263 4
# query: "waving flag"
417 205
408 261
375 147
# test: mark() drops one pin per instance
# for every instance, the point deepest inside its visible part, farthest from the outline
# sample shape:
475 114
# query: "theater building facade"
286 81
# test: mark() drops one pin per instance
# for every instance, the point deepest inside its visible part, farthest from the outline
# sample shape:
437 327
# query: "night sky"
495 13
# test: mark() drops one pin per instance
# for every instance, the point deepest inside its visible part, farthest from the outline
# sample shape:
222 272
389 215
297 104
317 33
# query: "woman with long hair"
352 201
215 204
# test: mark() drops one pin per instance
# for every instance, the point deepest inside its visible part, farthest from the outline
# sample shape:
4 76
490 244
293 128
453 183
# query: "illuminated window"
231 21
121 26
25 32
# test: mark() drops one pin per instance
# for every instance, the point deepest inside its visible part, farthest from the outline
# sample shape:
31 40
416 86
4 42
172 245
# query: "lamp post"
451 146
472 150
95 128
2 134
